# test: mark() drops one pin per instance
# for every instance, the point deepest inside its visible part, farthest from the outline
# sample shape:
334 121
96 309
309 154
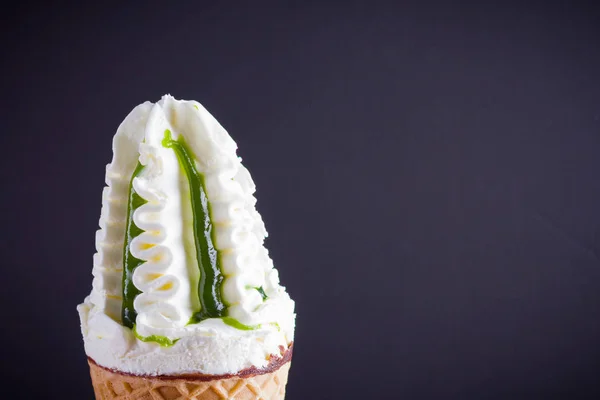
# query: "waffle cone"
113 385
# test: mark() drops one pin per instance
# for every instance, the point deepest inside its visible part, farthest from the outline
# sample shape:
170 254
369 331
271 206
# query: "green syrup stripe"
238 325
162 340
130 263
262 293
211 278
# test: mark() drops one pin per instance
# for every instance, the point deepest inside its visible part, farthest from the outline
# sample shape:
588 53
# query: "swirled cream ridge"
182 280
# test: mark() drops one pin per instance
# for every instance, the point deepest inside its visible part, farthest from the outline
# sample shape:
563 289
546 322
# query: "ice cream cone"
186 302
113 385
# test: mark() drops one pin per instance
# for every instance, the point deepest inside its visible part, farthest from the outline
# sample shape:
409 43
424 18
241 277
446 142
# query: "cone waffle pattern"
115 386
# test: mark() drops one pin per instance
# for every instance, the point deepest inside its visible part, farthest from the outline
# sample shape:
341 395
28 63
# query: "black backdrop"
428 173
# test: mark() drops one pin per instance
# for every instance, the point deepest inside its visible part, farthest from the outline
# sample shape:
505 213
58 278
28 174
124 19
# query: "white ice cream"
168 277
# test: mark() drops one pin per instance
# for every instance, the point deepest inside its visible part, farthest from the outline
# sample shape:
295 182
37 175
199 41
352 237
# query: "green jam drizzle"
262 293
238 325
276 325
130 263
211 278
162 340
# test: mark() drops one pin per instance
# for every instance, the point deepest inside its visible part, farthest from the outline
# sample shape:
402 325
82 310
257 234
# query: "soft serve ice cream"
182 281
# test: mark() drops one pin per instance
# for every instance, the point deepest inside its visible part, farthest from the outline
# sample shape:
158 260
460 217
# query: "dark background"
428 174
